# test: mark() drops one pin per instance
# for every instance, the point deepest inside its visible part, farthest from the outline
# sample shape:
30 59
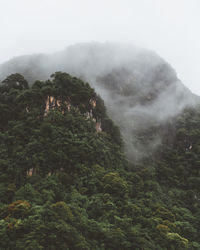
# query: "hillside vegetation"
66 184
140 89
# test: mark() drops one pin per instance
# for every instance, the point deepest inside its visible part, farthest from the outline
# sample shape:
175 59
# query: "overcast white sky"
170 27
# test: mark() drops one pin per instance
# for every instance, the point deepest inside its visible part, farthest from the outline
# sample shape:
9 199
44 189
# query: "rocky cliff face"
140 89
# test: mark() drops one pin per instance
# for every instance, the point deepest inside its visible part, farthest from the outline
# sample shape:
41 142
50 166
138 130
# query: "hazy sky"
169 27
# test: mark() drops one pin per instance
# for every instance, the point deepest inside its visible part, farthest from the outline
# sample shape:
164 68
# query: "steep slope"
65 184
64 100
140 89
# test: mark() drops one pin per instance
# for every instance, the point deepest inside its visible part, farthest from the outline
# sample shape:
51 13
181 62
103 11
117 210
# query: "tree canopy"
65 182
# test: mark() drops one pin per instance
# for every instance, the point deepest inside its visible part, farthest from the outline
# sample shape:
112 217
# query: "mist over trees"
139 88
65 180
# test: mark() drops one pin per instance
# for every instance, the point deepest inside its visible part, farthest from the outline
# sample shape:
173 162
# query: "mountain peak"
139 88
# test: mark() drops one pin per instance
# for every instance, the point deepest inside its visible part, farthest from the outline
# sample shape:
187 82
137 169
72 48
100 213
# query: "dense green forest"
65 182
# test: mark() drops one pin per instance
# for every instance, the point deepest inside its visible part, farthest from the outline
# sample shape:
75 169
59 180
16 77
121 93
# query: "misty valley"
99 149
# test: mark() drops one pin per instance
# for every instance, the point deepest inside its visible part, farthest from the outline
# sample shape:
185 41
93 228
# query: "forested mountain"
139 88
65 179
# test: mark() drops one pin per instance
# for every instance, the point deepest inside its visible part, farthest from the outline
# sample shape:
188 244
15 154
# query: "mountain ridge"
66 186
139 88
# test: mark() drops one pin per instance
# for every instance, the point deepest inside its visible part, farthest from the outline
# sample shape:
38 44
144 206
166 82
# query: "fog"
140 89
110 37
171 28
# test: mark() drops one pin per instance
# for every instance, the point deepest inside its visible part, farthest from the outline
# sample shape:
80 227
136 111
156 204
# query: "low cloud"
139 88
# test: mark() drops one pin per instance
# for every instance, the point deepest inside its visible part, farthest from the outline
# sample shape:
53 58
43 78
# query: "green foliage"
16 81
65 185
114 184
